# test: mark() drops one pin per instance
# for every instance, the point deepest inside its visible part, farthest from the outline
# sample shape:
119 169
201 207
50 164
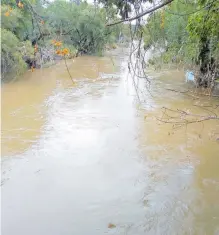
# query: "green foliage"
203 30
81 29
11 58
186 30
19 21
15 46
82 26
26 50
10 22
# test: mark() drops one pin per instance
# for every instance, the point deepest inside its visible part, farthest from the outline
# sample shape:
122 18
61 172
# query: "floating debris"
190 76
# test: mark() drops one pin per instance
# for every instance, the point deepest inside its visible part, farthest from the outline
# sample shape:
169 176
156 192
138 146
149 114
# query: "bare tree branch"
182 117
142 14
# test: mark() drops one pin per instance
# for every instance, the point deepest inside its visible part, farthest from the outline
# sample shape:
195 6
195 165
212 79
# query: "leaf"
7 13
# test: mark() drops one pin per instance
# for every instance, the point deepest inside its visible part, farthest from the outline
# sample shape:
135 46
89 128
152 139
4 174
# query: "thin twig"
183 117
191 92
68 71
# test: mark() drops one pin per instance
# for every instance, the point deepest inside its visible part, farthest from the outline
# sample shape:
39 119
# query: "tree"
78 27
12 52
188 32
203 30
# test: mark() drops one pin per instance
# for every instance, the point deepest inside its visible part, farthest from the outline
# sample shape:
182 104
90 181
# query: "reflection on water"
77 158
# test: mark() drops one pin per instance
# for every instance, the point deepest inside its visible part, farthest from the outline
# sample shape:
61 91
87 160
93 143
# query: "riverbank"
157 64
48 57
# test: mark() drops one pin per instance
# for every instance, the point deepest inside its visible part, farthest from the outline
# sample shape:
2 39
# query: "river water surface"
90 159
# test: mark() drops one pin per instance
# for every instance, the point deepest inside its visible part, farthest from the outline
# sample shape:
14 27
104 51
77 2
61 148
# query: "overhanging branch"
142 14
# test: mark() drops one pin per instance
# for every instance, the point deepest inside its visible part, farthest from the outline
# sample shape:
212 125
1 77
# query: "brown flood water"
76 158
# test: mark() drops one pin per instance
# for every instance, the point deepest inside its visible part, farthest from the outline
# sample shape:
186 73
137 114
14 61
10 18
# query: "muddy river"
89 158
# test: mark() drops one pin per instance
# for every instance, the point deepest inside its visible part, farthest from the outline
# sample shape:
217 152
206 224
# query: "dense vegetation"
187 31
37 31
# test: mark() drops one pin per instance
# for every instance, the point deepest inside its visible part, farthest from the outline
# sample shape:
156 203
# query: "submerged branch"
68 71
183 118
191 92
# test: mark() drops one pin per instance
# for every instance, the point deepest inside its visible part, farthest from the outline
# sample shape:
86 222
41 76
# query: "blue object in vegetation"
190 76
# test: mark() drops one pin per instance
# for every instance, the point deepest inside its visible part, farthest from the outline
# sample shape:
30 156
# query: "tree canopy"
32 25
